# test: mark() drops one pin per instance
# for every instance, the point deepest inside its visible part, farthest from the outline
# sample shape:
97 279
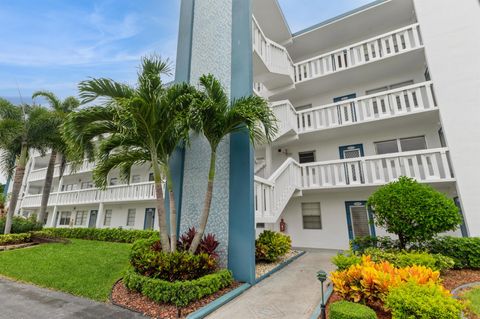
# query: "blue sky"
53 44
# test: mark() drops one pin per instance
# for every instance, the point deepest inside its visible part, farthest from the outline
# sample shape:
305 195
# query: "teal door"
92 222
359 219
149 218
353 168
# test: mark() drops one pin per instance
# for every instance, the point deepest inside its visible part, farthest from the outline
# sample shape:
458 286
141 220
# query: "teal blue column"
215 37
241 247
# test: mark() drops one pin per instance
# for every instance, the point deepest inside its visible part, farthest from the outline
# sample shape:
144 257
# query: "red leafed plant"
208 244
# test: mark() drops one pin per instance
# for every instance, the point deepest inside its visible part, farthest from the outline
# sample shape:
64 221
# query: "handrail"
359 43
374 157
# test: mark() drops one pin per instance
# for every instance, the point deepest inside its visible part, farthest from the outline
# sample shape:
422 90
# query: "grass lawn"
473 298
83 267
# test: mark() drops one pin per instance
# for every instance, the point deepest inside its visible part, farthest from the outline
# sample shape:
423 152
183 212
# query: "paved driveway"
291 293
22 301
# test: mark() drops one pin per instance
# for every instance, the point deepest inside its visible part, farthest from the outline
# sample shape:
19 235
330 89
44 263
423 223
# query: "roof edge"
339 17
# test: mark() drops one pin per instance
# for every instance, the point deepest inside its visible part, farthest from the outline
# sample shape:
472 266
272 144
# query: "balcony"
272 64
118 193
273 194
40 174
374 49
389 104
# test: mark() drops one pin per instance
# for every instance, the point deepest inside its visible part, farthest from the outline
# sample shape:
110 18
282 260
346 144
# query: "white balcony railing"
376 48
40 174
405 100
118 193
272 195
273 55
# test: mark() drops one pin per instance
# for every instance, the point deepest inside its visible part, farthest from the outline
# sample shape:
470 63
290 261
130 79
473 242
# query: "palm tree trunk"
17 184
47 186
162 216
173 212
206 205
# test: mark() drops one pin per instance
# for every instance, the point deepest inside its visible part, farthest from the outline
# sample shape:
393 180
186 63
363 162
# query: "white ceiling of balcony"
373 20
271 20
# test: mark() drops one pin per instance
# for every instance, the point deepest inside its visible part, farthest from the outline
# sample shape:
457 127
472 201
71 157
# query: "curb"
279 267
217 303
318 308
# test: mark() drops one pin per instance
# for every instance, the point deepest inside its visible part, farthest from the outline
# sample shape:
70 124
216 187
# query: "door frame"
343 148
348 205
90 217
145 218
345 98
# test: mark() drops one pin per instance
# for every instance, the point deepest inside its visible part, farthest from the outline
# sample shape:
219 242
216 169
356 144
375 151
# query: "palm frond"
51 98
109 89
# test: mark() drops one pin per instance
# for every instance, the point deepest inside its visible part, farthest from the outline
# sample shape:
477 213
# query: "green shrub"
11 239
147 259
346 259
359 244
101 234
464 251
21 225
414 212
271 245
350 310
179 293
427 301
399 259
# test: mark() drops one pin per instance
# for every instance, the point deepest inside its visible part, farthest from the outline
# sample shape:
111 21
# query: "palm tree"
58 147
213 115
22 128
134 125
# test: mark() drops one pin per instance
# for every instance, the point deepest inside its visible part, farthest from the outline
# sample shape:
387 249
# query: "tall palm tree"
134 125
60 110
213 115
22 128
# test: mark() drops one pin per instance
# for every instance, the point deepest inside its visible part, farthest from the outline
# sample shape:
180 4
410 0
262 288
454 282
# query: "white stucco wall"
451 34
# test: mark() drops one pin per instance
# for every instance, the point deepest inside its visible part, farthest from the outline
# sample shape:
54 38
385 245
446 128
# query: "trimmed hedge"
179 293
101 234
21 225
427 301
465 251
399 259
350 310
12 239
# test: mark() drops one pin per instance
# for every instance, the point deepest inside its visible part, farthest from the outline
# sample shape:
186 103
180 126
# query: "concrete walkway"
22 301
292 292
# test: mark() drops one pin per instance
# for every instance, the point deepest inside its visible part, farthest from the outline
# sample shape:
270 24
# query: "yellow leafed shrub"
370 281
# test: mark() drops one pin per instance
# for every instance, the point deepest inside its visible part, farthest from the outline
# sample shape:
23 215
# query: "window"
65 218
131 217
86 185
386 147
108 217
150 177
306 157
404 144
81 218
260 225
360 221
311 216
25 213
68 187
136 179
441 136
113 181
413 143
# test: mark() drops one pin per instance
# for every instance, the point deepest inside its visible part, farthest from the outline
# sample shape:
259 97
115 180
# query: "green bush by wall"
21 225
11 239
100 234
271 245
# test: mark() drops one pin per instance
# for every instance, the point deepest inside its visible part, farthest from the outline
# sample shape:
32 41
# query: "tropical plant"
271 245
414 212
215 116
58 147
133 126
22 128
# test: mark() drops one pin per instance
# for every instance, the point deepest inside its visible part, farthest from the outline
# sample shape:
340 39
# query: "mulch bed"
34 241
451 279
137 302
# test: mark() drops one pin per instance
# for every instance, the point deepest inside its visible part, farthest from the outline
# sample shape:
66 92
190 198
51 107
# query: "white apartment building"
383 91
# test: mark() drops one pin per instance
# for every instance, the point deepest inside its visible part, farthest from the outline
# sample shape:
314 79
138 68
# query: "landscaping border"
279 267
318 308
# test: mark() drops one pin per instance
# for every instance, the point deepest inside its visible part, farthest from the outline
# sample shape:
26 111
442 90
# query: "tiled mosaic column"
215 37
